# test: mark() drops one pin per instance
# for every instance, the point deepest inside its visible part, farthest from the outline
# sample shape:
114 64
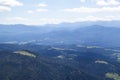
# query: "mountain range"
86 33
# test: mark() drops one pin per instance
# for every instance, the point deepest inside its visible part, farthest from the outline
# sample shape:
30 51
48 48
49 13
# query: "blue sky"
39 12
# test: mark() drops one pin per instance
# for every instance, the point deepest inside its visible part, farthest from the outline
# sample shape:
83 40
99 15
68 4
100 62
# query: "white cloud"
42 5
81 10
93 9
42 10
87 18
17 19
83 1
5 5
42 21
107 2
50 20
10 3
96 18
4 8
30 11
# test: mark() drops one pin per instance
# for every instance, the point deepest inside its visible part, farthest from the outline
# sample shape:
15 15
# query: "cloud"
37 10
6 5
107 2
93 9
98 18
42 5
4 8
30 11
83 1
42 10
17 19
81 10
42 21
87 18
10 3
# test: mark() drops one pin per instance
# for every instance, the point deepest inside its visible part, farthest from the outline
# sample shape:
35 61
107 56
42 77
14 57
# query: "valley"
58 62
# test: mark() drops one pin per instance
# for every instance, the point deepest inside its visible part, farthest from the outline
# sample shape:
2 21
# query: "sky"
40 12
